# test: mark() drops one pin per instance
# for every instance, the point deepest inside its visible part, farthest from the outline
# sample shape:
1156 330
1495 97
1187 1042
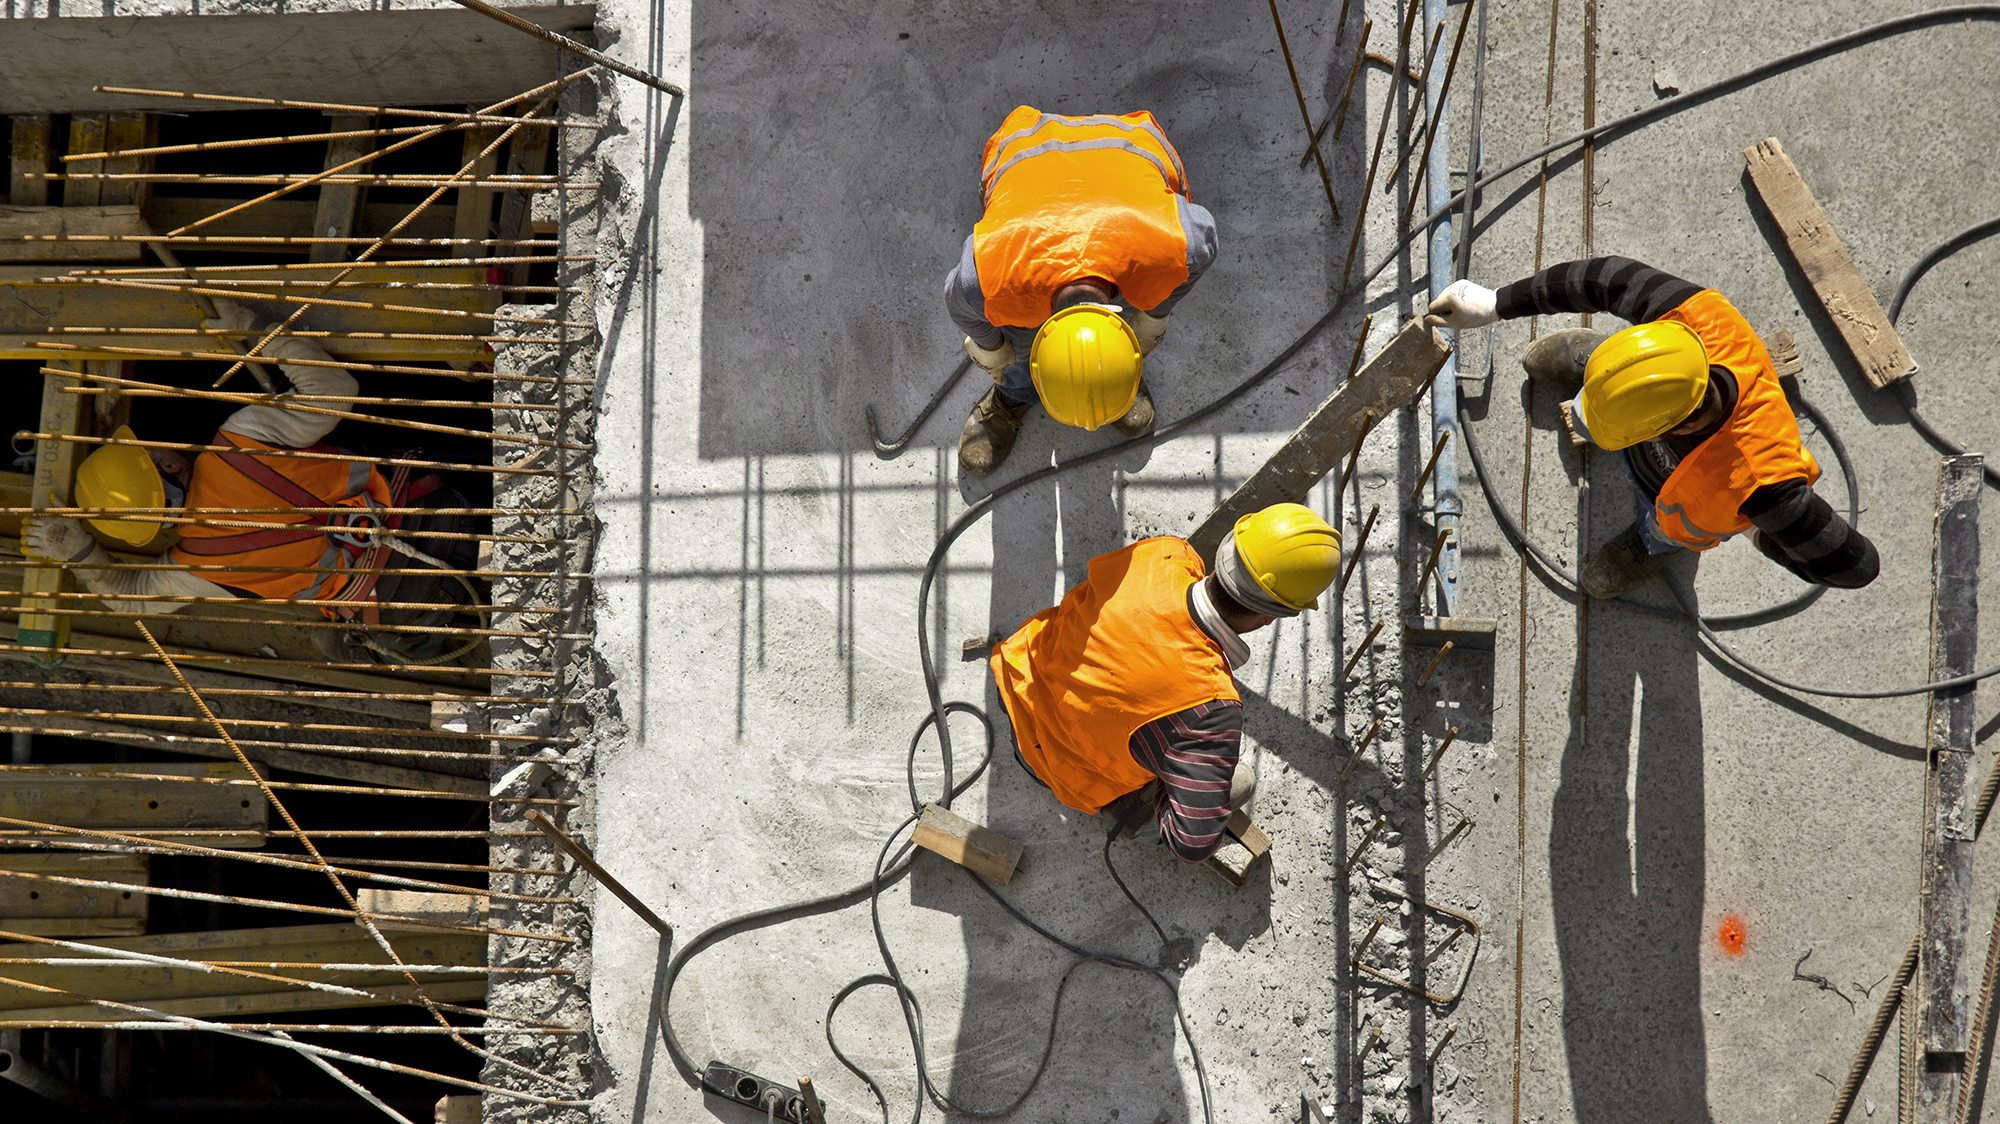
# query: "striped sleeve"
1630 290
1800 531
1194 753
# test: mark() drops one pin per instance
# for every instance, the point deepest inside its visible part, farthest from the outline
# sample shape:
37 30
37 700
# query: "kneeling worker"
1689 396
1130 677
1081 215
295 554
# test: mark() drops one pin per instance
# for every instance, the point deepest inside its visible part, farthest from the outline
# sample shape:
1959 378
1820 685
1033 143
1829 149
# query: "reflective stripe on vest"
1121 650
1701 503
219 484
1068 198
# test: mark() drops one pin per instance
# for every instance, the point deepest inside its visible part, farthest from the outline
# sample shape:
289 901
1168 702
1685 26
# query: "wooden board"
54 909
115 804
205 994
1327 437
17 223
411 909
1945 905
30 157
1810 238
34 299
294 218
979 849
340 203
1243 831
410 57
55 473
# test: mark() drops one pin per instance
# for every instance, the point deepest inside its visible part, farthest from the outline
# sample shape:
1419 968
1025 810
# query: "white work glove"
1464 305
994 361
230 317
1150 329
56 539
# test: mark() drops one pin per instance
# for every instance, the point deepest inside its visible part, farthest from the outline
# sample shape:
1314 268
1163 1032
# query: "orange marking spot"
1731 935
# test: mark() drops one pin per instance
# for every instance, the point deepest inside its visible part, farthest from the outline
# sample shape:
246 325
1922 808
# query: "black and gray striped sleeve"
1801 532
1628 289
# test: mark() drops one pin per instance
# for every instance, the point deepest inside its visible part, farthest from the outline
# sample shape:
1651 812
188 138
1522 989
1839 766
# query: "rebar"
261 142
1444 946
1843 1101
274 239
1339 119
1374 161
425 606
267 661
519 183
295 1028
148 272
475 118
325 411
289 398
581 854
287 786
1463 823
1444 91
572 46
1430 1065
1438 754
1358 650
1416 493
1361 949
1406 143
1443 651
1360 850
296 454
184 567
143 737
1432 564
322 334
277 724
1312 138
1354 559
1367 740
164 847
162 285
1353 458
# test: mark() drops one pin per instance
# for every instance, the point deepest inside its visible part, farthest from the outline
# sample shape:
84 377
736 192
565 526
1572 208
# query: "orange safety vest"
1701 502
243 480
1074 197
1121 650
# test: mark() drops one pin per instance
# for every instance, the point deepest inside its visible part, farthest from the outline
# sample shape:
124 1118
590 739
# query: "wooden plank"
293 218
527 155
55 473
401 911
86 134
474 215
367 57
124 130
1810 238
458 1110
31 157
1244 832
59 910
117 804
18 222
1319 446
979 849
340 203
242 1006
1943 990
36 299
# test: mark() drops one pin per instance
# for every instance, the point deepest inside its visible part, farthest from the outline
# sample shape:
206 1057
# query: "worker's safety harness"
360 548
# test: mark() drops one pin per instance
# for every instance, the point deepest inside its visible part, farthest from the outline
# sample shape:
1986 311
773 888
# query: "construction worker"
1087 241
1688 395
292 556
1130 677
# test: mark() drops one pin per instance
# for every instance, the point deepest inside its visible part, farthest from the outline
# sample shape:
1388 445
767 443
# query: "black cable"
1906 390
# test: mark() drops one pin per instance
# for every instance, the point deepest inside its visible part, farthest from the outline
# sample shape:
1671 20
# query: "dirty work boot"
989 433
1242 788
1621 565
1138 421
1557 359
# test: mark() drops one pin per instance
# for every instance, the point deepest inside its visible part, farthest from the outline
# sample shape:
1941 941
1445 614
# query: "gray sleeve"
966 302
114 584
296 429
1200 228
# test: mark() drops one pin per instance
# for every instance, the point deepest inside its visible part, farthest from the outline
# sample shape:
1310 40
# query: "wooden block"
212 993
55 909
1252 838
458 1110
86 134
1945 902
945 832
1810 237
474 215
19 222
1784 352
340 203
124 130
1324 441
458 716
75 798
421 910
31 158
55 472
1576 440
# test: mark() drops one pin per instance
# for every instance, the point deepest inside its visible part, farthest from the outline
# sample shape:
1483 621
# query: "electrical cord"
939 709
1906 390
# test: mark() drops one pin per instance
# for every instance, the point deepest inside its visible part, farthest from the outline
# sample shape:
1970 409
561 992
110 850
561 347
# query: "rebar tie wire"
339 886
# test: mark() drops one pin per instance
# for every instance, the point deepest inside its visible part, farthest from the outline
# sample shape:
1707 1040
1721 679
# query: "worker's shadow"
1627 851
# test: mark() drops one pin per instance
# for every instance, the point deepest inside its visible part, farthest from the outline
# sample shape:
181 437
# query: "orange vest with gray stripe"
297 540
1701 502
1069 198
1121 650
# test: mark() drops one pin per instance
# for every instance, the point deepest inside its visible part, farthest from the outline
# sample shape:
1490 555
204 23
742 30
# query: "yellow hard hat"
1642 382
121 476
1085 364
1291 552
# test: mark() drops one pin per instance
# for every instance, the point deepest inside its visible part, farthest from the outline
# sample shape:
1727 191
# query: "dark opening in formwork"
261 834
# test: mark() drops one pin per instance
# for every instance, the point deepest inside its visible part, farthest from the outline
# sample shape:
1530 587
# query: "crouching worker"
1689 396
292 553
1130 678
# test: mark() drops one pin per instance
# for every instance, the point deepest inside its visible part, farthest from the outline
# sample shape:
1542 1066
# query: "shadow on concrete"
1627 851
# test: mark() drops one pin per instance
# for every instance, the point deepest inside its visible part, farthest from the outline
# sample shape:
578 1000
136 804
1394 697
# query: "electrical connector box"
748 1089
